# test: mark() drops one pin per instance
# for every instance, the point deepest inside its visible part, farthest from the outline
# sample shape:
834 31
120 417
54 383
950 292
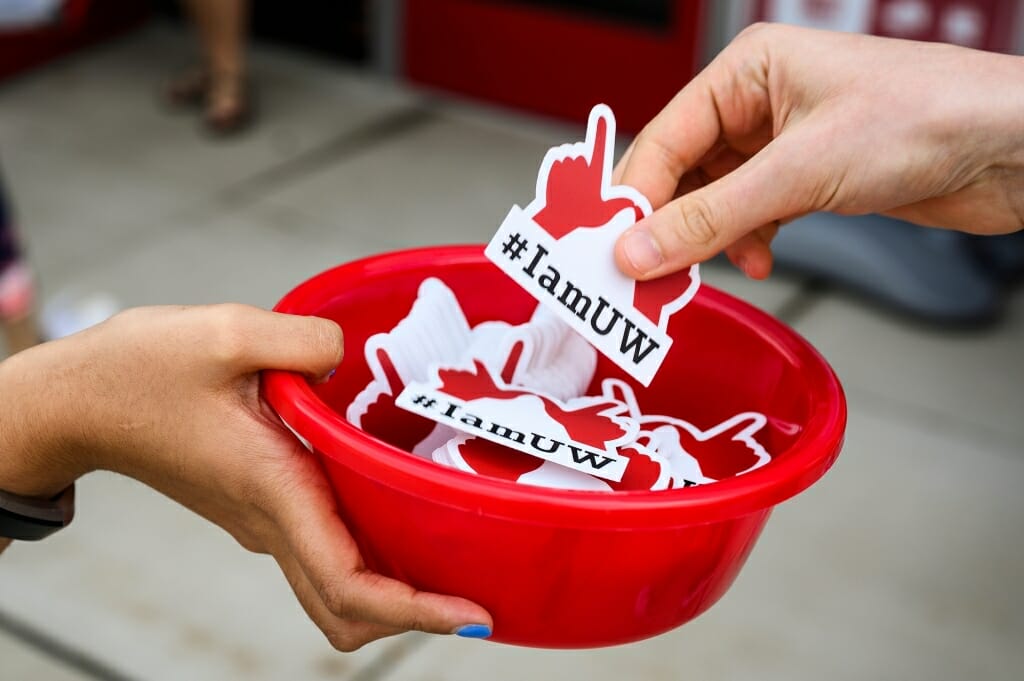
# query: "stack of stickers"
510 401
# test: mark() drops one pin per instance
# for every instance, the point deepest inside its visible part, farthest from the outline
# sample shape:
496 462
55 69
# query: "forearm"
956 155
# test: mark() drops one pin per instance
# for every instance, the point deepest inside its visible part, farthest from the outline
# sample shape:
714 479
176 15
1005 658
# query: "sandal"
229 106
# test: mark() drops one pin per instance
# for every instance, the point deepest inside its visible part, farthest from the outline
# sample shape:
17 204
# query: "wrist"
36 455
1003 110
979 126
1007 129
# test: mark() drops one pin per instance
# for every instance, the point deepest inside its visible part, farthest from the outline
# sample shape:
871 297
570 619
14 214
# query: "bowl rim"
333 437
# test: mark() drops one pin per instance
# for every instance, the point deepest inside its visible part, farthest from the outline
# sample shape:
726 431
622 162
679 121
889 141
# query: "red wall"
553 62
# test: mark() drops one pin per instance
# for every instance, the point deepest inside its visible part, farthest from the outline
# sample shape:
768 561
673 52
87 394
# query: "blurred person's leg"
222 27
17 289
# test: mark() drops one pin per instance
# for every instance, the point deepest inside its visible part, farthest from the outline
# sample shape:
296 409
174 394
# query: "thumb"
308 345
772 185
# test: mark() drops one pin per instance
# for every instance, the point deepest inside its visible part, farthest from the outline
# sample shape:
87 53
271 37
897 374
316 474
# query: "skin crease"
170 396
787 121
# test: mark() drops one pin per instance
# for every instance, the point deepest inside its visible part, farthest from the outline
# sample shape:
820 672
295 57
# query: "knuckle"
336 598
251 543
259 498
756 30
415 622
230 340
343 641
416 616
410 618
129 316
696 223
132 320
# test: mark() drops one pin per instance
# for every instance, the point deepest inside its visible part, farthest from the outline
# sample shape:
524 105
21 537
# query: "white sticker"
582 433
435 330
560 249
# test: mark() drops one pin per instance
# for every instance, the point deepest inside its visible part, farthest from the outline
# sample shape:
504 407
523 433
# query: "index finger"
329 557
603 146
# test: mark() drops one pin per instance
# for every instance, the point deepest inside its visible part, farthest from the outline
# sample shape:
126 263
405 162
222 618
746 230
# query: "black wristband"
30 519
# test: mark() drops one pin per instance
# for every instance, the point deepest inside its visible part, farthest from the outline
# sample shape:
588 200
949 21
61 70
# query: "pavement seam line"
57 650
379 130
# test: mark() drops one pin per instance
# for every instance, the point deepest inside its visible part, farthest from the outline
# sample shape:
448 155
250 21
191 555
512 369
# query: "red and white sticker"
560 249
583 433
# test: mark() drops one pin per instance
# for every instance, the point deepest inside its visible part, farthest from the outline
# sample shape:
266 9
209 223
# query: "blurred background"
223 150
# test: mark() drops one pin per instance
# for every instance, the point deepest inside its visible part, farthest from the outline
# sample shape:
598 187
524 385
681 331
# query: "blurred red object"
80 23
554 61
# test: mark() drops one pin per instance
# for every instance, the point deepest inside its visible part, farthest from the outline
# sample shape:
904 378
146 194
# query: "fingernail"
641 250
474 631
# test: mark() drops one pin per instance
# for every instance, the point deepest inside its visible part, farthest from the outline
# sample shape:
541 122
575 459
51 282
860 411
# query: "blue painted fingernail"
331 374
474 631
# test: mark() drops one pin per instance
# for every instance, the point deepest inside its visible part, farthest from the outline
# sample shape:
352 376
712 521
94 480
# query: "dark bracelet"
30 519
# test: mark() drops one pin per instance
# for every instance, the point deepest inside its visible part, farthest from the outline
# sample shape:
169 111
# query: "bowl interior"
727 358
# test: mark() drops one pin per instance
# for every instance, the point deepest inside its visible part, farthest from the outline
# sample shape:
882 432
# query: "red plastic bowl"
564 569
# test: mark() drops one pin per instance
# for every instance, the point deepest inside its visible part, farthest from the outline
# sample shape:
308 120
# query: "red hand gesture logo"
384 420
651 297
489 458
725 450
591 424
573 190
642 473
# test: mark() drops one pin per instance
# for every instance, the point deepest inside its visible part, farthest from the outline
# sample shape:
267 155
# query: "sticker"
722 451
506 401
581 433
483 457
543 354
685 470
435 330
646 470
560 248
696 456
547 356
